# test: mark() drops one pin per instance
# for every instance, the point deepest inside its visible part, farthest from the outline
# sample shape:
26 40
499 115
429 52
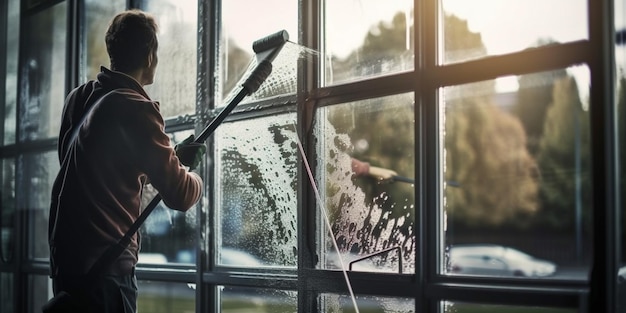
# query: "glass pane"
12 50
36 174
367 38
474 29
42 73
366 166
336 303
620 96
249 300
517 177
165 297
168 235
175 82
98 16
464 307
256 192
7 211
39 292
235 50
7 294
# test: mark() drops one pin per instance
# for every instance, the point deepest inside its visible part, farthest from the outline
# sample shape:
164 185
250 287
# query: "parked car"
495 260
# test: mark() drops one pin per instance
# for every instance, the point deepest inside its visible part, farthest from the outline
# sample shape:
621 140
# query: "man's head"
132 44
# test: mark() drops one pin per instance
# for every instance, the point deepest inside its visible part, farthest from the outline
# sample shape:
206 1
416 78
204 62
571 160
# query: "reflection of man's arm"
361 168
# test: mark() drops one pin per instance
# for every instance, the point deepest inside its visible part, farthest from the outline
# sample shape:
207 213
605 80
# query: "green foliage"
533 99
486 156
566 131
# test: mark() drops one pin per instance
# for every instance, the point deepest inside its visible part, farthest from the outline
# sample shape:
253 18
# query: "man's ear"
149 60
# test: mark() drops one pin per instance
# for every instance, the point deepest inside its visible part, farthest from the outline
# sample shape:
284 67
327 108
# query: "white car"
495 260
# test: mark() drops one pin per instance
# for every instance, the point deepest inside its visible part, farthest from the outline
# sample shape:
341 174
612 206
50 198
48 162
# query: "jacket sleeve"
179 188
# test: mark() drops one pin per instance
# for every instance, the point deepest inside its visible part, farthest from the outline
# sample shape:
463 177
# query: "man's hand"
190 153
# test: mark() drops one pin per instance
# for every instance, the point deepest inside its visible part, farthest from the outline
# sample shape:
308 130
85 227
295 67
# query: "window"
406 156
530 147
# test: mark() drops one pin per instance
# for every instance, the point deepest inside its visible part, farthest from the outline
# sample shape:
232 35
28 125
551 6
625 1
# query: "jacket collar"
113 80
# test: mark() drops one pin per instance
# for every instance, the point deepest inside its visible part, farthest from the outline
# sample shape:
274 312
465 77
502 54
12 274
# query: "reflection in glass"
7 288
98 16
474 29
39 291
256 200
376 40
35 176
243 299
464 307
165 297
168 235
7 211
175 82
517 177
237 37
368 214
336 303
42 72
11 49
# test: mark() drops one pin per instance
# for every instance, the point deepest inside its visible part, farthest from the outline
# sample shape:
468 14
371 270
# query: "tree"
565 138
487 160
533 99
489 171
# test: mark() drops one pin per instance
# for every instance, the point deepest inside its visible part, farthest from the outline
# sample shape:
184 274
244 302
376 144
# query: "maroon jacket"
120 146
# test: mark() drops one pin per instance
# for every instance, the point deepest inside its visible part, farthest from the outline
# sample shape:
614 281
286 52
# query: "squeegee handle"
209 129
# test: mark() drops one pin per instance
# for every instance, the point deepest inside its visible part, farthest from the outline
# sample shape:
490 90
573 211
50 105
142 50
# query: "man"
111 143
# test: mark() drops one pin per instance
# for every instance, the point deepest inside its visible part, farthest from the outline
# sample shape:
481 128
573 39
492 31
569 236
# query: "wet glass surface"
256 192
367 213
42 73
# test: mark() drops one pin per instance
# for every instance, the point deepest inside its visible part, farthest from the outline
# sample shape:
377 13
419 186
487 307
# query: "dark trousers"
108 294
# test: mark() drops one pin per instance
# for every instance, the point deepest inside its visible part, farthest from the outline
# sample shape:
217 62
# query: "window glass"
517 177
462 307
42 73
620 96
236 38
474 29
256 192
366 39
336 303
168 236
165 297
98 16
36 174
7 296
368 213
12 47
7 211
245 299
39 291
175 81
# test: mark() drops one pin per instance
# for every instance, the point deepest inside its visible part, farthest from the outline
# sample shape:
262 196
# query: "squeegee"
266 49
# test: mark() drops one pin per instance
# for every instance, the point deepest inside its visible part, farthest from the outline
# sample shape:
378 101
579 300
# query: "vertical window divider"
602 284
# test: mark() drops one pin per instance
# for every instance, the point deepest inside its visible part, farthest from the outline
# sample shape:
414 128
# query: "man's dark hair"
130 39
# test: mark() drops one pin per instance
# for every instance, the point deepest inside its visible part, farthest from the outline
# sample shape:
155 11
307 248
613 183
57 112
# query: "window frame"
426 286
